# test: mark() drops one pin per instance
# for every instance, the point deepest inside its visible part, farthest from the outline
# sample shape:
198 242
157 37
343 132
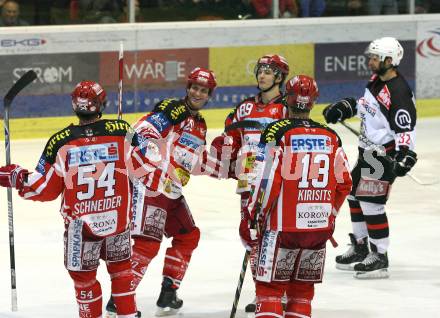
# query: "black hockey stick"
379 149
245 124
258 209
22 82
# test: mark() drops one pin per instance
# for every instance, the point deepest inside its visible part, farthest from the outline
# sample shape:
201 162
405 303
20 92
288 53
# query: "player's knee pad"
188 241
268 300
369 208
178 256
88 293
143 253
299 299
145 247
121 276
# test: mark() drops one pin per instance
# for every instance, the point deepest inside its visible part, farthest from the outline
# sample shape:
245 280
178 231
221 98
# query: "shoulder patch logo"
54 140
384 97
403 119
270 132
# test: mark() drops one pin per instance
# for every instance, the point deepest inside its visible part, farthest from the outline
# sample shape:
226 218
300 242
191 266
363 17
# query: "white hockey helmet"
386 47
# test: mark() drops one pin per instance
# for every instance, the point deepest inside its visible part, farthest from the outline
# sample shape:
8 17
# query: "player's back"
87 165
305 175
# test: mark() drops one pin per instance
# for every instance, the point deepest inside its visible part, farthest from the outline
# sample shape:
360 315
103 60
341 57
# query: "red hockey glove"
221 144
13 176
222 148
247 234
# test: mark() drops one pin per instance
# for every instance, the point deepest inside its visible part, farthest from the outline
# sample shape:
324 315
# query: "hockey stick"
382 153
233 126
121 76
22 82
254 224
245 124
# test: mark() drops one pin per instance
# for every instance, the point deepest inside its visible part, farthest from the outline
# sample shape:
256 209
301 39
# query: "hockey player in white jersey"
388 119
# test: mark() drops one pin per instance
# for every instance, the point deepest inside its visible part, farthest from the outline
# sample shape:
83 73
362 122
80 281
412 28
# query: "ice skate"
250 307
374 266
168 303
110 309
355 254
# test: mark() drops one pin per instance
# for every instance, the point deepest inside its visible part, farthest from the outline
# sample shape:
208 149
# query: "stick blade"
22 82
245 124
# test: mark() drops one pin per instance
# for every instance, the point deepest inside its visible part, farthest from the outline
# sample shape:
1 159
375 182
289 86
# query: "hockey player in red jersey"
302 180
270 72
388 119
174 135
86 164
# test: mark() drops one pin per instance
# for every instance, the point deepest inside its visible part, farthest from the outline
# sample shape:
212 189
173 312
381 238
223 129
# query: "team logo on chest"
384 97
190 125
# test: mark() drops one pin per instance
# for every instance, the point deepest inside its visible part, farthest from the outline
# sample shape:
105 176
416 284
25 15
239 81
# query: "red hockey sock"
179 254
299 299
122 287
143 252
88 294
268 302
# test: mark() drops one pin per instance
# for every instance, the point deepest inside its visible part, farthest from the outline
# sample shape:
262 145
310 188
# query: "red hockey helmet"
202 77
88 98
276 62
301 93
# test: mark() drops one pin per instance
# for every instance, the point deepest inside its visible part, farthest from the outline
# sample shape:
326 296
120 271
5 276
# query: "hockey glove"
339 111
222 148
405 160
248 235
222 145
13 176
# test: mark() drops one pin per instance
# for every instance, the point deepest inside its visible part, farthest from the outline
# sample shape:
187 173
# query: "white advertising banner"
147 36
428 59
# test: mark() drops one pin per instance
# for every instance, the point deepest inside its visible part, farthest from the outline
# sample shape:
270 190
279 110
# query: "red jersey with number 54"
87 165
305 184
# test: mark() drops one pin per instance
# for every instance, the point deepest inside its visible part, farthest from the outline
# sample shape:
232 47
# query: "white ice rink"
413 290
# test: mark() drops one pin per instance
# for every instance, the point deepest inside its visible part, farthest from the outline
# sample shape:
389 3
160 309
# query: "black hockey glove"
405 160
339 111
